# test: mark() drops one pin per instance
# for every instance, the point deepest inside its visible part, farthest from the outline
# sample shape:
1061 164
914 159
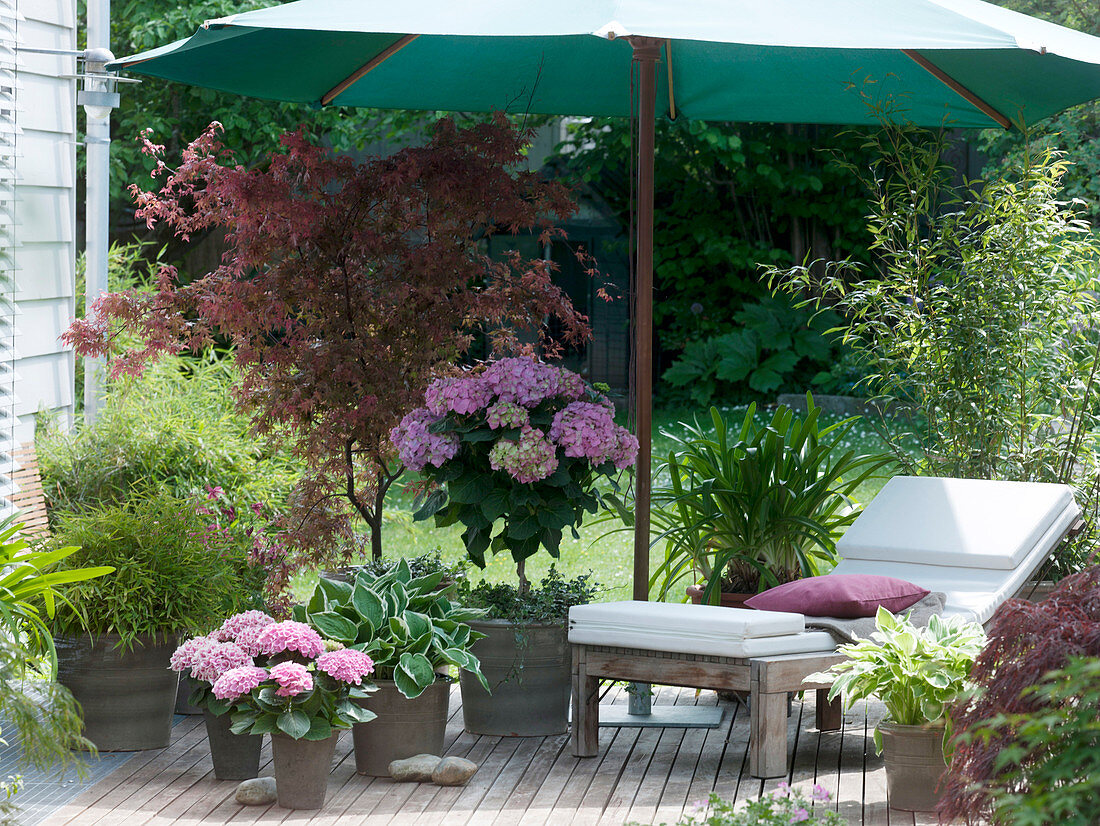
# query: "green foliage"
166 580
785 807
915 672
775 347
979 324
1049 770
311 715
174 427
419 566
727 197
747 507
408 625
549 602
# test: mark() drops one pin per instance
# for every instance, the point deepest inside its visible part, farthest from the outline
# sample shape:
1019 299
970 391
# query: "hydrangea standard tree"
519 445
344 287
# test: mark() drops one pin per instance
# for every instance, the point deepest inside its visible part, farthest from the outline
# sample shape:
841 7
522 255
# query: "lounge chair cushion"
960 523
847 596
694 629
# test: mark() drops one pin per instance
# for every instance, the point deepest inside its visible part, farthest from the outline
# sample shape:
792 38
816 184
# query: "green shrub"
549 602
167 579
174 427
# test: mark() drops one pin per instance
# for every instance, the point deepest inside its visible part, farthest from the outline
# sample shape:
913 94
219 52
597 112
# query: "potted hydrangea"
303 697
515 450
203 660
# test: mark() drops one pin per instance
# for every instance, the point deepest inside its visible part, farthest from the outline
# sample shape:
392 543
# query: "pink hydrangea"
214 660
417 446
292 678
236 682
530 459
183 658
570 385
464 395
290 636
626 451
523 381
346 665
585 431
248 638
506 414
232 627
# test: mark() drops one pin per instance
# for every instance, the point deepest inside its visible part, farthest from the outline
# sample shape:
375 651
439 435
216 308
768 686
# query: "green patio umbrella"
964 62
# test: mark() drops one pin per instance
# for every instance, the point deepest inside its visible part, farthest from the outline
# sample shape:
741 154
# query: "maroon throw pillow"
846 596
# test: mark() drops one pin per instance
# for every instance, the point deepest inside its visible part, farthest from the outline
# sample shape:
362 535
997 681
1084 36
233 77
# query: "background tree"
344 288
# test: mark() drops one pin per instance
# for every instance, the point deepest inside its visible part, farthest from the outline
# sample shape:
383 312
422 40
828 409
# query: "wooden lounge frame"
768 681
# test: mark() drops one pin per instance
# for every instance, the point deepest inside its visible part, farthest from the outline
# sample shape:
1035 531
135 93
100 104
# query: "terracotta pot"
235 756
528 671
302 769
127 697
914 765
403 727
726 599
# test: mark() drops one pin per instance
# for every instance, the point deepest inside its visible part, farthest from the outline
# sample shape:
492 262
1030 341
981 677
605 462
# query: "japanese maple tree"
344 287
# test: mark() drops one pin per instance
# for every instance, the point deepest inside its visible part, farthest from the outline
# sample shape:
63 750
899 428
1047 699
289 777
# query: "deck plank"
647 775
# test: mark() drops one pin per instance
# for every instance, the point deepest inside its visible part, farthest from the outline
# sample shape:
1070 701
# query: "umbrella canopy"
780 61
962 62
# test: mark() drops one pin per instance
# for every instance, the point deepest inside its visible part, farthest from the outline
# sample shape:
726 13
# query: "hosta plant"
408 625
306 690
516 450
747 506
916 672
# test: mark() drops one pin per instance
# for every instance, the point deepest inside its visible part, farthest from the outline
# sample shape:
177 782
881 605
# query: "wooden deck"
645 775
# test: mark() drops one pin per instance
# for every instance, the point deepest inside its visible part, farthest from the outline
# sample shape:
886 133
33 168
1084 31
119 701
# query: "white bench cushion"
694 629
960 523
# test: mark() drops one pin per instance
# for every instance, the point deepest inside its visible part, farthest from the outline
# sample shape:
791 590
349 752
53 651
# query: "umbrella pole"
647 51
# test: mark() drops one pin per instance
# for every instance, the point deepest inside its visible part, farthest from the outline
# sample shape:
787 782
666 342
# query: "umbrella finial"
612 31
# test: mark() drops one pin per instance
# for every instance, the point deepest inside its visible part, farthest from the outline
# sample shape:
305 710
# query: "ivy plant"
408 625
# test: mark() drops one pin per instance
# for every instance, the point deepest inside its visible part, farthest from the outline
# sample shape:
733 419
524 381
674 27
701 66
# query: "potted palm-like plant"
917 673
748 507
414 633
515 451
115 636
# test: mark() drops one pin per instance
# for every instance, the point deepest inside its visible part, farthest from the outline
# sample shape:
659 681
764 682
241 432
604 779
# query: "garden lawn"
605 548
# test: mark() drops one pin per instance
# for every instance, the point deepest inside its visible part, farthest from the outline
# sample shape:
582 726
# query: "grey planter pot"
302 769
528 670
183 694
914 765
403 727
127 697
235 756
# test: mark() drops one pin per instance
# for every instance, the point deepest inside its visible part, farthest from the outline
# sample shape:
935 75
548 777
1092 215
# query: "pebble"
259 791
415 769
453 771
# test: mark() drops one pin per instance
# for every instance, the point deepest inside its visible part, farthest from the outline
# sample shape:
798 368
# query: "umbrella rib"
957 87
671 97
369 66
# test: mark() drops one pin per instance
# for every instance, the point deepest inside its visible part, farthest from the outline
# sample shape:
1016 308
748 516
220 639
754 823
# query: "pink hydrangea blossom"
464 395
248 638
585 431
237 682
417 446
290 636
237 623
183 658
506 414
214 660
346 665
570 385
292 678
530 459
523 381
626 451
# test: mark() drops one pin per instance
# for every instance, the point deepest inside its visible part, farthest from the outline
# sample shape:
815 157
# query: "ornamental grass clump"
516 447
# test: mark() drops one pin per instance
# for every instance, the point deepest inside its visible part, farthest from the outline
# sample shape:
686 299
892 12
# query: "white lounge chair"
979 542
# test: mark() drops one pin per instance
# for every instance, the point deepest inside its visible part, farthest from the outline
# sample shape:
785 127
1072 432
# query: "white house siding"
46 258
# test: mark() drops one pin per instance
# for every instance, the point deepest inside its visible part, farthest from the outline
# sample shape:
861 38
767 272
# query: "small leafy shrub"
1027 744
774 346
408 625
166 581
419 566
173 428
743 507
916 672
549 602
785 807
